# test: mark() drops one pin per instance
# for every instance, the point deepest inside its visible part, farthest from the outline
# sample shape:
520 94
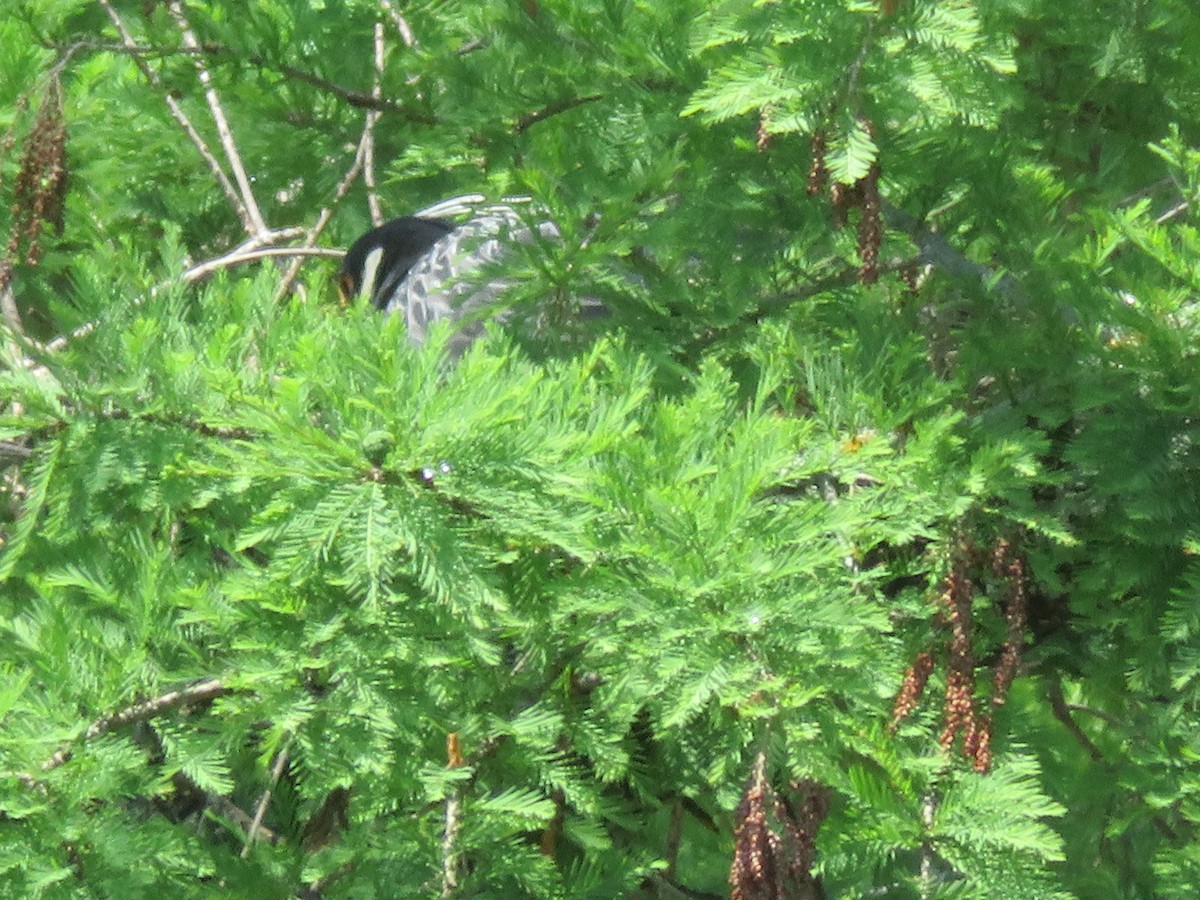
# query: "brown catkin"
957 597
870 229
1012 570
916 677
818 173
955 614
775 843
39 190
870 224
762 137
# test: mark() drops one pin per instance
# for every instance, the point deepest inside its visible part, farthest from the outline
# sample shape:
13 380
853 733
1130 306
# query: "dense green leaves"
521 626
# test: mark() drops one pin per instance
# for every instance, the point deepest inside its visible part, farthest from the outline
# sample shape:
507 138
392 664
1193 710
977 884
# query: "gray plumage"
427 270
449 280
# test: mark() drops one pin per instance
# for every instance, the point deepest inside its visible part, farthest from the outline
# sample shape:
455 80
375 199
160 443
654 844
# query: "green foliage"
520 626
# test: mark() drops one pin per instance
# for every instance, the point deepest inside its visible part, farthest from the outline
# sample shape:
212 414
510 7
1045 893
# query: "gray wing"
449 281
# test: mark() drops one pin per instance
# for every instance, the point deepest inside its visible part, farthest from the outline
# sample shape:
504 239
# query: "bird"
427 270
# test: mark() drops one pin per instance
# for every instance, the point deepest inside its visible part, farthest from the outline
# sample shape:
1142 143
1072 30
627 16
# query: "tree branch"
369 132
401 23
1174 212
356 98
360 155
453 821
938 252
178 114
233 258
226 807
1058 706
140 712
248 251
256 224
8 302
527 121
260 811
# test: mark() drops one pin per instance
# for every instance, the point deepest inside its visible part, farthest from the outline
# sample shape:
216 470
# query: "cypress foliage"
854 555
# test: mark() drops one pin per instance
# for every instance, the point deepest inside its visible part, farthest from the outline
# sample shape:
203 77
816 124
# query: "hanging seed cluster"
818 172
774 841
912 687
762 137
862 195
1010 568
40 189
955 604
911 276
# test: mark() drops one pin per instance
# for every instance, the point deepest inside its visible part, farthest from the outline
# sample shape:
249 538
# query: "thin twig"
938 252
454 760
528 120
226 807
1058 706
357 99
11 451
197 272
449 837
247 251
257 225
402 26
1099 714
854 70
8 303
1175 211
289 277
929 804
140 712
369 133
1148 191
179 115
847 276
1062 712
281 760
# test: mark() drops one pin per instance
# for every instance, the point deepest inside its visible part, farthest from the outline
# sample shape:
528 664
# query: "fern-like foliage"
860 538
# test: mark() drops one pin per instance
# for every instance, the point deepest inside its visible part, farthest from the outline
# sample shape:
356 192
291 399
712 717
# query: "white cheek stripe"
370 273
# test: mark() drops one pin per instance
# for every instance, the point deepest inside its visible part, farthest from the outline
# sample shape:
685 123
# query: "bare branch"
178 114
402 26
937 251
1174 212
11 451
369 133
1058 706
1148 191
140 712
248 251
528 120
450 860
281 759
257 225
226 807
289 277
357 99
8 302
197 272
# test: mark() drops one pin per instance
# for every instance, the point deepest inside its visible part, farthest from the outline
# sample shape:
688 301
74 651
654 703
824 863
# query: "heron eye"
346 289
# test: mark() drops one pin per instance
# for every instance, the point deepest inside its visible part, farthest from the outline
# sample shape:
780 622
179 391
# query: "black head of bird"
377 262
427 270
